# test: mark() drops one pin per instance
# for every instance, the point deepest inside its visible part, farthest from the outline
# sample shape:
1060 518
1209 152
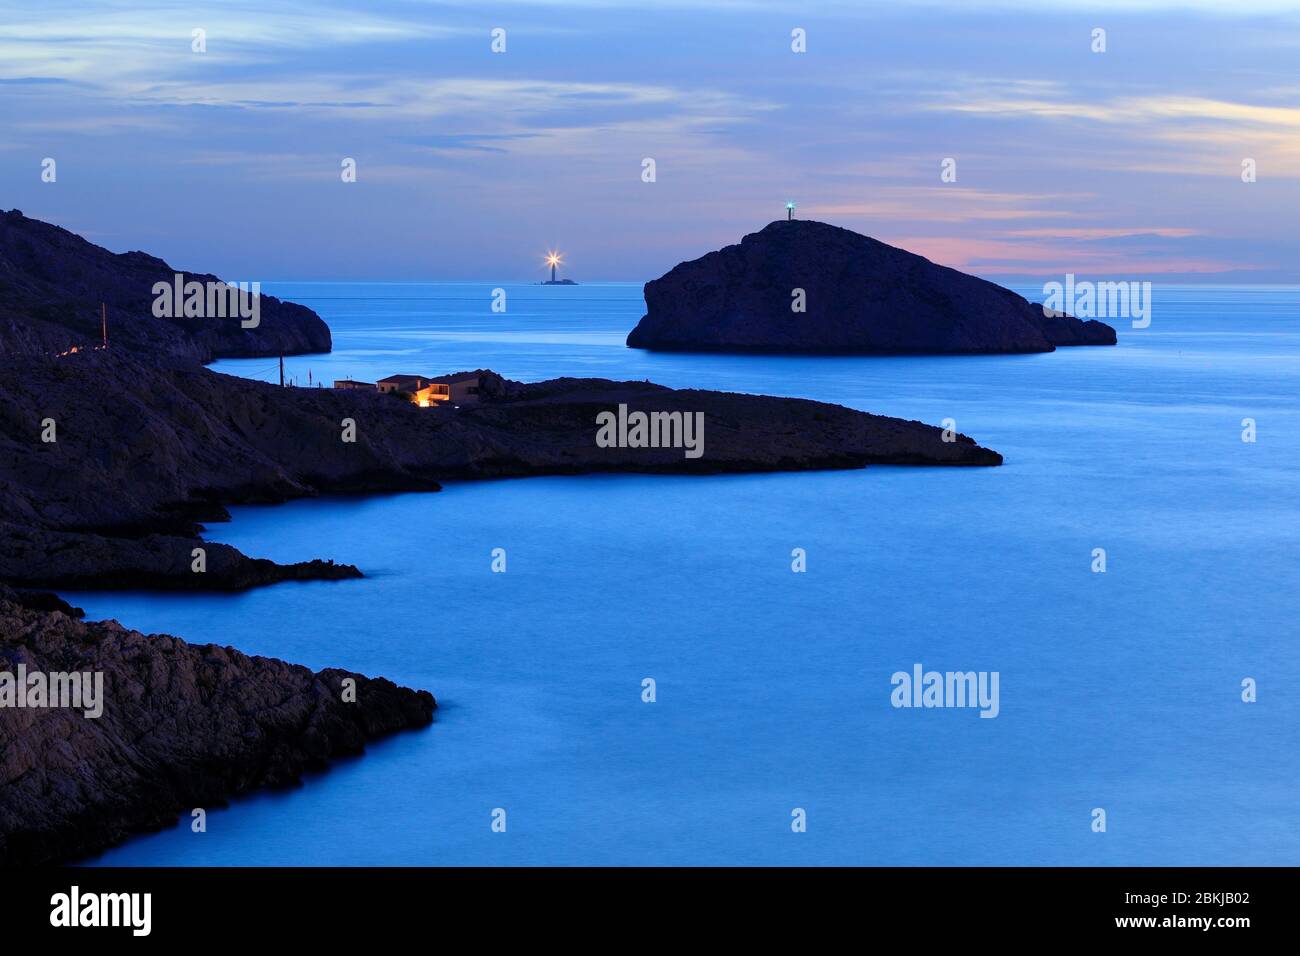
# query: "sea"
651 682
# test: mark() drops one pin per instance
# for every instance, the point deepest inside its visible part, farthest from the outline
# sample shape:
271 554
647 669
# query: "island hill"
858 296
58 292
117 445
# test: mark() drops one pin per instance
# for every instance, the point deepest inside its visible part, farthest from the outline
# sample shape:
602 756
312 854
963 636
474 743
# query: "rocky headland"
143 454
859 296
53 284
181 727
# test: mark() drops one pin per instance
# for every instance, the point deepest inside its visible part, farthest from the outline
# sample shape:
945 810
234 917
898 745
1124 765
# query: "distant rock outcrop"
860 296
52 283
182 726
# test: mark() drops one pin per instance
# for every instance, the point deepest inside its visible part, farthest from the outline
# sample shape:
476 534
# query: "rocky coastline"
113 460
144 454
182 727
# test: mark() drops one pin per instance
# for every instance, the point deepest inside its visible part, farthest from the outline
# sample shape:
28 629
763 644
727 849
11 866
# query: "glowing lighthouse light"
789 210
553 259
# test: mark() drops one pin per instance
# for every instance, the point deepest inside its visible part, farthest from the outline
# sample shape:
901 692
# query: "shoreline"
256 443
119 457
75 786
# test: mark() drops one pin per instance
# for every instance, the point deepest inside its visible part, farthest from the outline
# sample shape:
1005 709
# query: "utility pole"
103 323
282 370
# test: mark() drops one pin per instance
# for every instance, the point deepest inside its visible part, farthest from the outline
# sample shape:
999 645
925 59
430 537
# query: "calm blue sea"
1119 691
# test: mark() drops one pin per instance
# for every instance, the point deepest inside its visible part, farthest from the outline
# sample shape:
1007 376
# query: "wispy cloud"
1005 257
951 204
117 41
1065 158
1101 232
1133 110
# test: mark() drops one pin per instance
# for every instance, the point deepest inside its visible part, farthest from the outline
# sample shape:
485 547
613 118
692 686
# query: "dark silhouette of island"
559 282
858 295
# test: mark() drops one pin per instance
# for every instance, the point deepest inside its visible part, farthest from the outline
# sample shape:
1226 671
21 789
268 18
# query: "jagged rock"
182 726
41 601
67 559
861 297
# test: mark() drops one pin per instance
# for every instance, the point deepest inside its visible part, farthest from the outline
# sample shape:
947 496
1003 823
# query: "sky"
471 164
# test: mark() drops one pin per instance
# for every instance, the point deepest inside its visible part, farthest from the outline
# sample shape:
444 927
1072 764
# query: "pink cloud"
1009 256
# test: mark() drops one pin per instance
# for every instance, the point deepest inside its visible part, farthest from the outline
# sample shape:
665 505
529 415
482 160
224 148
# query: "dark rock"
142 446
1063 330
183 726
861 296
83 561
52 283
42 600
548 427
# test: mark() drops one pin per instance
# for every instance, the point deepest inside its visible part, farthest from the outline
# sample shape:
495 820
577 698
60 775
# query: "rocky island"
799 286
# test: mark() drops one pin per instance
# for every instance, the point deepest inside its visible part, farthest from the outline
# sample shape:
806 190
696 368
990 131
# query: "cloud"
992 256
1102 232
1135 110
469 142
119 41
950 204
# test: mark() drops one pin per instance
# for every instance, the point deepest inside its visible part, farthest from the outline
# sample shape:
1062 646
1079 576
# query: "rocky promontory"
799 286
112 465
181 726
53 283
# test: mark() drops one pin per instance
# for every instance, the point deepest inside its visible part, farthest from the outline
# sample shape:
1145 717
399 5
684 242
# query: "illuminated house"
431 394
461 389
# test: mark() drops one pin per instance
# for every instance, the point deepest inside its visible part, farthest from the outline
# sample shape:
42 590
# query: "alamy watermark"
74 908
208 300
1099 300
651 430
78 690
922 688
